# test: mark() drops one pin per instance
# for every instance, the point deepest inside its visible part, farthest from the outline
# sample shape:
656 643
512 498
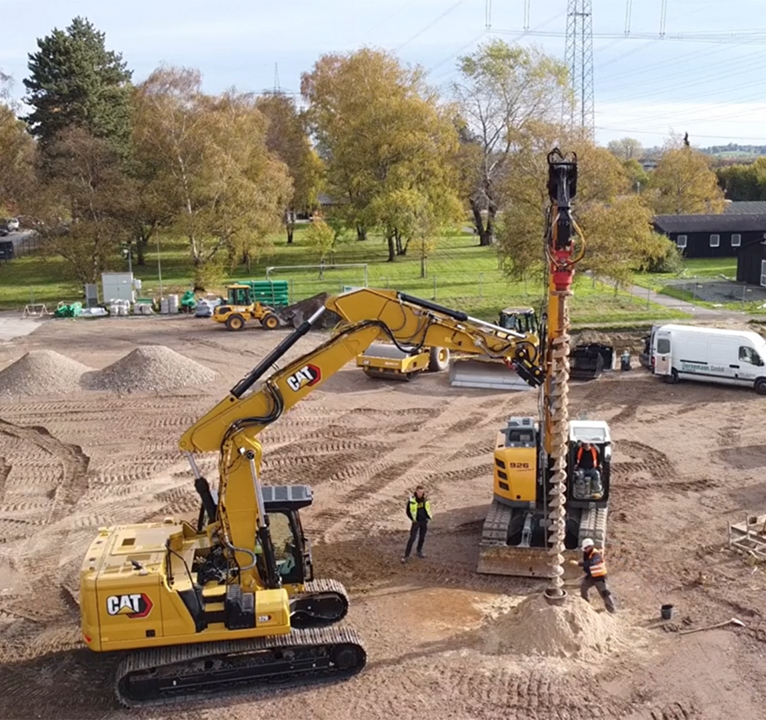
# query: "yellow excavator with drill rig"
232 601
543 506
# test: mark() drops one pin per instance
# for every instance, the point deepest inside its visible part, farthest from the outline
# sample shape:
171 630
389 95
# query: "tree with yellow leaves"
211 165
684 183
615 222
387 146
504 93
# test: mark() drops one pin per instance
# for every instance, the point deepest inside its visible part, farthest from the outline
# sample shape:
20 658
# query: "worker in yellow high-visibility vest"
419 512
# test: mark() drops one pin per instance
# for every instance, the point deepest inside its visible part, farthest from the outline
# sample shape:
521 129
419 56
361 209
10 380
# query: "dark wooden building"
710 236
751 263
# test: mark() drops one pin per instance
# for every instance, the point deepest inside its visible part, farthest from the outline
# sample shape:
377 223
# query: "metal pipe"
258 492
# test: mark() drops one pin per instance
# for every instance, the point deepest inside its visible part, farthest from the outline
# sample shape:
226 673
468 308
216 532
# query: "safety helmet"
587 543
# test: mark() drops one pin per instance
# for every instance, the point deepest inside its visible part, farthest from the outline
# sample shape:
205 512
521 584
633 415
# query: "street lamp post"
159 264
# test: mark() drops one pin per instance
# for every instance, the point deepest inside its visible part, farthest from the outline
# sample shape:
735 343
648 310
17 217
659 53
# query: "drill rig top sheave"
233 601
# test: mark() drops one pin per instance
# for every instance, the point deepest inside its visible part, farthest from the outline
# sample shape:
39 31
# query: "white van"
733 357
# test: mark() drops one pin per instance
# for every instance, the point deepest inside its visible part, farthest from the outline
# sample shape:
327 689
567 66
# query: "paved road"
687 307
12 326
676 304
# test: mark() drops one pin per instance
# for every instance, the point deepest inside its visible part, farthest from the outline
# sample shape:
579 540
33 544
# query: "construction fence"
484 293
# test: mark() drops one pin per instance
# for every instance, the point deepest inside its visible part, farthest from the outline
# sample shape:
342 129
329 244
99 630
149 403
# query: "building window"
763 273
681 241
736 240
715 240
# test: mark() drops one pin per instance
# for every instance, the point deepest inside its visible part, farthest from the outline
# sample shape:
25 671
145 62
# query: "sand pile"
152 368
41 372
574 630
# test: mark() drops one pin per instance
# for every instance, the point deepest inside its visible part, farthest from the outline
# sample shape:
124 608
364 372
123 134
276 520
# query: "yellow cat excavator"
233 601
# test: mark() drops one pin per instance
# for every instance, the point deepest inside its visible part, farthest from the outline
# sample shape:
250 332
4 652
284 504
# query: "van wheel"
760 386
438 359
671 379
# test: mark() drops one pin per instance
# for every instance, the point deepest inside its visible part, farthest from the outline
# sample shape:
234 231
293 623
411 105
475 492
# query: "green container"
269 292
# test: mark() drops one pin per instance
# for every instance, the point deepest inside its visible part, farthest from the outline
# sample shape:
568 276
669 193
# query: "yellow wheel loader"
232 600
240 308
541 499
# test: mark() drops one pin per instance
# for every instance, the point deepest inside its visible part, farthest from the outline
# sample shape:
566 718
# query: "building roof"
725 222
745 207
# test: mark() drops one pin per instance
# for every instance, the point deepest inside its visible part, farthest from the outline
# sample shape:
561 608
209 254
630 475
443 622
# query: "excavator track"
186 672
322 603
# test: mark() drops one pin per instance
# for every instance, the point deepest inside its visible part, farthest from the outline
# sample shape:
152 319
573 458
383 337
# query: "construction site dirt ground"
688 458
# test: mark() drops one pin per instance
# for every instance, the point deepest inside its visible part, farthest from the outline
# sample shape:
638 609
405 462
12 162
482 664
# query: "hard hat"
587 543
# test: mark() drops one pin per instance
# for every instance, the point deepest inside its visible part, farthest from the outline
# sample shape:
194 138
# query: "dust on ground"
688 459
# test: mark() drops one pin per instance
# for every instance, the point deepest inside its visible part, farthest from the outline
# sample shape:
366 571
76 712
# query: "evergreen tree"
75 81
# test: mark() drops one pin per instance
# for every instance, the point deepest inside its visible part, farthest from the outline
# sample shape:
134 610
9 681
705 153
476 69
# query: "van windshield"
748 355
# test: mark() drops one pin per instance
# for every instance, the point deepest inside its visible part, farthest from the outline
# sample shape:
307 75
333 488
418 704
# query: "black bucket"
666 611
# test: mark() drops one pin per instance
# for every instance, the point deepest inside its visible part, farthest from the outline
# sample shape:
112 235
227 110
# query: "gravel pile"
574 630
152 368
41 372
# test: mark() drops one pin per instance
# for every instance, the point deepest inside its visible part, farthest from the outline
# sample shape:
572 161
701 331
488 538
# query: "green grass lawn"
705 268
459 274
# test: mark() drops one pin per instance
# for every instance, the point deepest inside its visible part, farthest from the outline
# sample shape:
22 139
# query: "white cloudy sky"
645 85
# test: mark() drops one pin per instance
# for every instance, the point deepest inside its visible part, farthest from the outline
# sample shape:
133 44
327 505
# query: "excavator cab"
520 320
292 549
589 490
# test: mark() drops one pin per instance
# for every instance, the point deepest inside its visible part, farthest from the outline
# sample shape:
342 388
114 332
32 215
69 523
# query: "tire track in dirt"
675 711
376 477
5 468
73 465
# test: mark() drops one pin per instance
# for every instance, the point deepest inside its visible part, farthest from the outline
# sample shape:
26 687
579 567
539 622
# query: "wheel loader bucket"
484 374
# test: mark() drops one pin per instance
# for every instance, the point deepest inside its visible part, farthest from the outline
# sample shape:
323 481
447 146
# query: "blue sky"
645 85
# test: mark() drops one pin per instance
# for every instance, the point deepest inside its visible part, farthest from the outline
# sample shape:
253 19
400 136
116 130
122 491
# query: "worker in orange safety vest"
587 461
595 574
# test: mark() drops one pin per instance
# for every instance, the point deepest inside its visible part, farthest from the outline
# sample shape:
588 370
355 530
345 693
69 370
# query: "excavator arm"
232 427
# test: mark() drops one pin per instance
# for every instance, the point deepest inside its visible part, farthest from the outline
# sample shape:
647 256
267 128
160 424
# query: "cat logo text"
308 375
137 605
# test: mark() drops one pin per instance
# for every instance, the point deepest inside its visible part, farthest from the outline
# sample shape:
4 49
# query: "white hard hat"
587 543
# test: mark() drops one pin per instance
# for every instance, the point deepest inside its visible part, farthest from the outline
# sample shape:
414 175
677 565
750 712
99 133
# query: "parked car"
12 225
205 306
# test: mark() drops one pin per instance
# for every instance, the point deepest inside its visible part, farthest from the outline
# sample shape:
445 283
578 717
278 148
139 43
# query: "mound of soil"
41 372
152 368
574 630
